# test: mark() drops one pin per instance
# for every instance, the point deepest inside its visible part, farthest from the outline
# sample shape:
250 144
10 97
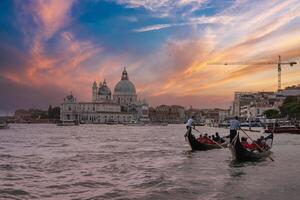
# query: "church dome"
103 89
125 86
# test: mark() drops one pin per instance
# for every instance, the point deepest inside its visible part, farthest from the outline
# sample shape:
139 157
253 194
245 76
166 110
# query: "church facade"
121 106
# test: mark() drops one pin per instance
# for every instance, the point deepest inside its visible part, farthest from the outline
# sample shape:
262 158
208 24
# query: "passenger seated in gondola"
217 137
213 138
204 138
209 140
259 144
247 145
199 139
263 145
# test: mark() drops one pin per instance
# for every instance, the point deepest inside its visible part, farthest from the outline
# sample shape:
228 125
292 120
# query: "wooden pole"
256 144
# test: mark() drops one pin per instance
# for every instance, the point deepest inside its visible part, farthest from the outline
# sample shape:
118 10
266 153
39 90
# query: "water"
122 162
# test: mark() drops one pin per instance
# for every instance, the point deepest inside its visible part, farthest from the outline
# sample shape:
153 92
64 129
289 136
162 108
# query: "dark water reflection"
121 162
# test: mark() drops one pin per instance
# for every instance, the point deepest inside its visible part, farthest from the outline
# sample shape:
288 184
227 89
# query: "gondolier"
190 123
234 126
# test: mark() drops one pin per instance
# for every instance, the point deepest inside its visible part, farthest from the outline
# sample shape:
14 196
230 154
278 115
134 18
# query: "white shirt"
190 122
234 124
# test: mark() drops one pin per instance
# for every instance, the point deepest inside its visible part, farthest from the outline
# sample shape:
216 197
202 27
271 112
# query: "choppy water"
121 162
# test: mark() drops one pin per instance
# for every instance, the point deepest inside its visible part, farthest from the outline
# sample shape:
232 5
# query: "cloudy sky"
49 48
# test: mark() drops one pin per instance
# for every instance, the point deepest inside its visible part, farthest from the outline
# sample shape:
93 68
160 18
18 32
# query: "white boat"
67 123
135 123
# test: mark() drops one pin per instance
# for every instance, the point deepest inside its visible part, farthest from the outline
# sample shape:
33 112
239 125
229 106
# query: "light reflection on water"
122 162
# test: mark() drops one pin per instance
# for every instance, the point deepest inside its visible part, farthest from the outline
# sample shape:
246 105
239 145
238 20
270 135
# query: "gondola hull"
197 146
241 154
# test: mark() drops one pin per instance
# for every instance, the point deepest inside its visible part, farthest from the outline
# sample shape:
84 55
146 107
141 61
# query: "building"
260 101
167 114
105 107
198 115
254 104
215 116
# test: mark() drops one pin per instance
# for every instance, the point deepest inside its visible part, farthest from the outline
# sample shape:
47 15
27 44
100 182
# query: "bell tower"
94 91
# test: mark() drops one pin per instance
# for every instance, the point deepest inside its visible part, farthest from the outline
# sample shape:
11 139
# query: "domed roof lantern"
100 84
124 74
104 82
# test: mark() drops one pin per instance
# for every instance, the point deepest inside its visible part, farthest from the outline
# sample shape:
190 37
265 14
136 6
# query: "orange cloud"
179 69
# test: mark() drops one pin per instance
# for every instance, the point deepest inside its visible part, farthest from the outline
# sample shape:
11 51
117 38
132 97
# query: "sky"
49 48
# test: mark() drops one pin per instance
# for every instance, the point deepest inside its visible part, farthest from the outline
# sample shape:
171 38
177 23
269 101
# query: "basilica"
121 106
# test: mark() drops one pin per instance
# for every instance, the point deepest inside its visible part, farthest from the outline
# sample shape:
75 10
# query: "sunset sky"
51 47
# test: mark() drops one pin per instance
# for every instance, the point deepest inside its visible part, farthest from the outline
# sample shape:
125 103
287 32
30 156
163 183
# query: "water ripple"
98 162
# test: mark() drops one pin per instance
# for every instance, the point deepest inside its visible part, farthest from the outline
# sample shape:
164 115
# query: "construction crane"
279 64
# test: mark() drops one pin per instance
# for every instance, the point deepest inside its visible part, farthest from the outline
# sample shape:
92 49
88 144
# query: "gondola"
197 146
240 153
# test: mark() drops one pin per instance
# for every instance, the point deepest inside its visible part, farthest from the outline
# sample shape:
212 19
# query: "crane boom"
279 64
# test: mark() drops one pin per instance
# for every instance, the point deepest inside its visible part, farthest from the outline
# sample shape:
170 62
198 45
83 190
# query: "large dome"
125 86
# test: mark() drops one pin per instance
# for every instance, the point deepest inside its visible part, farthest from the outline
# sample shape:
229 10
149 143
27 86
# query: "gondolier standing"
190 123
234 126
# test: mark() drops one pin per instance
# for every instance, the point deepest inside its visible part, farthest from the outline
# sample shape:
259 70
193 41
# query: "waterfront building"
198 115
215 116
176 114
167 114
162 113
260 100
254 104
105 107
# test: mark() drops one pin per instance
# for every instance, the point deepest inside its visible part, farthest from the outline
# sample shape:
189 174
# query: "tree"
291 107
56 112
272 113
50 112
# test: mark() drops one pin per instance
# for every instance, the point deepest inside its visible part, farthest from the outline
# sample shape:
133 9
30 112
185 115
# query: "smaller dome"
104 90
70 98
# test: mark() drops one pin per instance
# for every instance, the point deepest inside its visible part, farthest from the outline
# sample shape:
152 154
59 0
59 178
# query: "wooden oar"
212 140
257 144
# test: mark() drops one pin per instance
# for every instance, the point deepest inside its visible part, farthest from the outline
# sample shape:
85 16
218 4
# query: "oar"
212 140
256 144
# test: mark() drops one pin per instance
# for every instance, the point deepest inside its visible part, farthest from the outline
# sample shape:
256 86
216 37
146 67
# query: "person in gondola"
209 140
199 139
213 138
217 137
263 143
204 138
258 144
234 126
247 145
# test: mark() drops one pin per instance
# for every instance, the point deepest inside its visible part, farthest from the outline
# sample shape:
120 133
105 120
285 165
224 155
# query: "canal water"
148 162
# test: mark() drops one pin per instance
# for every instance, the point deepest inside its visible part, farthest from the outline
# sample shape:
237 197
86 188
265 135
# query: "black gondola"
240 153
197 146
